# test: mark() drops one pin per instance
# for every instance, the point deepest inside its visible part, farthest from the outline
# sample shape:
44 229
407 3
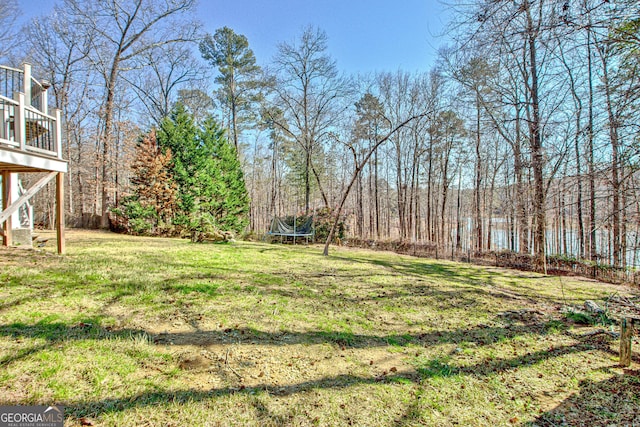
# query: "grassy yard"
131 331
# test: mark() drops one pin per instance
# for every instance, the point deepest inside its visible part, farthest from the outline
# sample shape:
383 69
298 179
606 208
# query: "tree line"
523 136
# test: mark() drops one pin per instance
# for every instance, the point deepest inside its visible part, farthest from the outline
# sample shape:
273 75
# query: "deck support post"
6 202
60 212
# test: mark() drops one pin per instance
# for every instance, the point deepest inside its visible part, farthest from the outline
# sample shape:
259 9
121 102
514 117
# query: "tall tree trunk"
445 191
577 102
478 180
581 245
359 206
371 201
234 112
521 193
591 166
323 194
490 207
308 146
79 180
274 187
623 225
307 182
401 193
537 154
388 203
563 217
458 207
430 235
106 142
417 220
377 199
615 163
411 204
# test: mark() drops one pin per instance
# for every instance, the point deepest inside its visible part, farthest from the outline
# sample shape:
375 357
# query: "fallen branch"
226 364
599 332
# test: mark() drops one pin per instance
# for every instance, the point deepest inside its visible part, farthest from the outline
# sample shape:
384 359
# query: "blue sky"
364 35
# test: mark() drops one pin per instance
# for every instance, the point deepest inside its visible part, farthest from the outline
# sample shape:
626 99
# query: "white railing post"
27 82
6 115
58 133
19 127
44 101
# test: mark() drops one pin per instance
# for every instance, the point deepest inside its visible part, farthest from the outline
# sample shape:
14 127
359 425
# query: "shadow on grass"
15 303
475 279
151 398
206 279
58 332
90 329
615 401
456 273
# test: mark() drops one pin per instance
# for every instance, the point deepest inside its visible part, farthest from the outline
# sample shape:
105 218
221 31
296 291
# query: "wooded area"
523 137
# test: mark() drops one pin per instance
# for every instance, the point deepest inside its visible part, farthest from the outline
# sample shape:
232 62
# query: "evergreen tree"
178 133
153 184
207 171
151 207
239 74
228 200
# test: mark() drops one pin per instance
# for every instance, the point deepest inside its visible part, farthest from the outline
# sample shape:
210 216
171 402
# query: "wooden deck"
30 137
30 142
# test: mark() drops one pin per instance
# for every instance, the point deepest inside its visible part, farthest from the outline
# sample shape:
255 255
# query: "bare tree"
59 53
198 103
124 31
160 74
400 94
449 129
9 12
370 123
520 35
310 93
358 167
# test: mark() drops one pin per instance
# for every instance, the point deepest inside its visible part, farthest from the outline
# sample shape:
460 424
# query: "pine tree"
211 188
239 75
152 181
229 198
177 133
151 207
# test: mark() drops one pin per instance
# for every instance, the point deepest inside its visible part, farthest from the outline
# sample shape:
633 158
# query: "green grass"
149 331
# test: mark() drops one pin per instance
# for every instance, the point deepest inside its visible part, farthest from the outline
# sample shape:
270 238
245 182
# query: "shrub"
582 318
133 218
202 228
322 221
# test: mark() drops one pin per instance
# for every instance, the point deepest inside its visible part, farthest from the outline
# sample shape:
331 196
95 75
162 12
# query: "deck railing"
25 121
11 81
7 115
